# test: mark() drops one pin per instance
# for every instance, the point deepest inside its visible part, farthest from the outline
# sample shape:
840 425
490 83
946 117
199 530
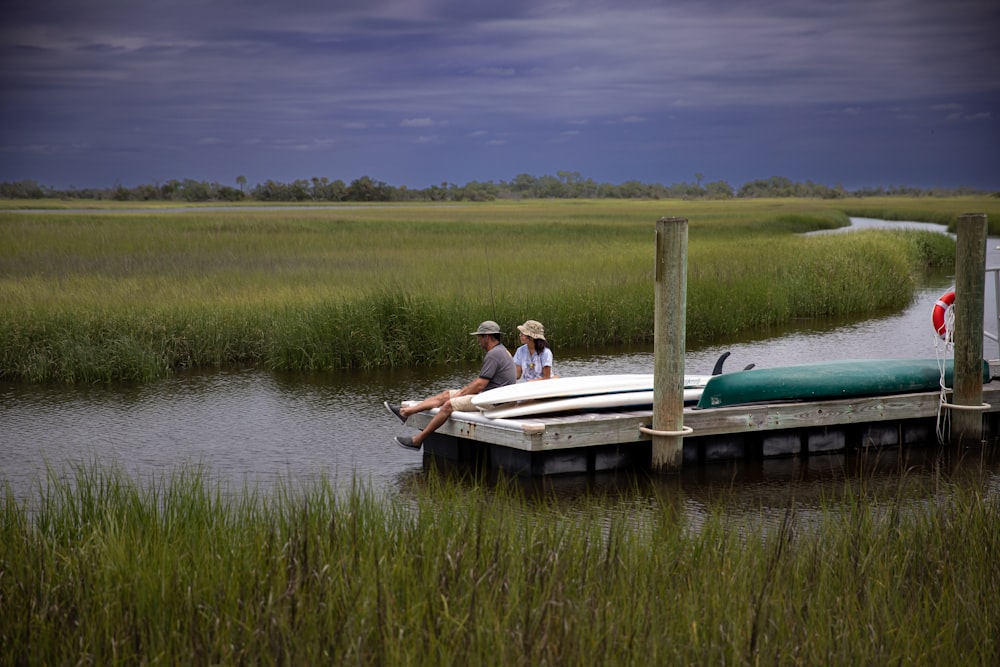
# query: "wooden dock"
669 436
608 440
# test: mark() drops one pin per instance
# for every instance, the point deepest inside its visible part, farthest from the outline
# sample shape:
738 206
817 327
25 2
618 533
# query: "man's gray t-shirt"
498 368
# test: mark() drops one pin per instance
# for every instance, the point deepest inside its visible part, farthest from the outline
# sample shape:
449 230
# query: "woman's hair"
539 344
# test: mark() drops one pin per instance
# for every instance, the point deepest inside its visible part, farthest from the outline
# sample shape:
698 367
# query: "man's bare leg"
426 404
436 422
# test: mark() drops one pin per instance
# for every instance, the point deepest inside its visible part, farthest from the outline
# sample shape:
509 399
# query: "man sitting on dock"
497 371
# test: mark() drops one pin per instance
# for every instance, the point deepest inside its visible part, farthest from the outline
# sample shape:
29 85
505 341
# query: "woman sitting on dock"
533 359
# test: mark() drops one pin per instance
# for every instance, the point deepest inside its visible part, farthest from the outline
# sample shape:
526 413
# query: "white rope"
943 346
982 407
685 430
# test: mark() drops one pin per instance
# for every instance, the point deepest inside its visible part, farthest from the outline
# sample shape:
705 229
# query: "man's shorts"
461 403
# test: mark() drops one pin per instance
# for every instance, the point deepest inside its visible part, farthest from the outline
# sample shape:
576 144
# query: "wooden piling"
669 323
970 267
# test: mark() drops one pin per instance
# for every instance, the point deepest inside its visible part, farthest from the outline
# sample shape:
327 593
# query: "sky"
857 93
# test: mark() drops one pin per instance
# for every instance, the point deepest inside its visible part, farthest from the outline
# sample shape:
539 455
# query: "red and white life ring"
941 307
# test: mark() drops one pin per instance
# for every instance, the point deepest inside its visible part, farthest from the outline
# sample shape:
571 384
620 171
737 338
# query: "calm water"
258 428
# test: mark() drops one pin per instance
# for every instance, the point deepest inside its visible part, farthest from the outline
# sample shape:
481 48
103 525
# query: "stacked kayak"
828 380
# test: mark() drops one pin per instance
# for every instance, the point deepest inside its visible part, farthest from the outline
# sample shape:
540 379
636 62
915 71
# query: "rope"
943 345
685 430
982 407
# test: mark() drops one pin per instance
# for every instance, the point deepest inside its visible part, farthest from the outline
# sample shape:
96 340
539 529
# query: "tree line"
563 185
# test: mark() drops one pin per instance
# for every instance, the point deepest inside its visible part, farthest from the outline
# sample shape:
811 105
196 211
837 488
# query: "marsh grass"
101 569
106 297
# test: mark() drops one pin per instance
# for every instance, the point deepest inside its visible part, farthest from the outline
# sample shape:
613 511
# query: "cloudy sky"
419 92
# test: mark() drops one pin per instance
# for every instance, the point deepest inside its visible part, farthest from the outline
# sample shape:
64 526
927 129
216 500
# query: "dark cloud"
419 91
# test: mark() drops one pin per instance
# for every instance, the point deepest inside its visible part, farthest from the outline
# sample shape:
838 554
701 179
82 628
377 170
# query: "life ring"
941 307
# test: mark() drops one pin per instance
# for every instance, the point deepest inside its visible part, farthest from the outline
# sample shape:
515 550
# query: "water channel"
257 428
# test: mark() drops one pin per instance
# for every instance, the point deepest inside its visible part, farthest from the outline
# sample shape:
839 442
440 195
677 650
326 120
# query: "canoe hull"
828 380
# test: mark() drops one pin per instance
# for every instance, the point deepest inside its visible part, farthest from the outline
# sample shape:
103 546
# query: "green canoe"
828 380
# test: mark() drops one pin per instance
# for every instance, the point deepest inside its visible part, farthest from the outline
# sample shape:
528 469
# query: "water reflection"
754 496
882 475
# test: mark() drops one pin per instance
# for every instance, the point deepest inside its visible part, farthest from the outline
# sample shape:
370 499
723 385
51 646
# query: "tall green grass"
106 297
103 570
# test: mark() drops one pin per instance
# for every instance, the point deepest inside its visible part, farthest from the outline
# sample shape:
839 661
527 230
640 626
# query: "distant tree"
435 193
476 191
21 190
776 186
632 190
361 189
226 193
266 191
318 187
170 190
299 190
146 192
325 190
524 185
572 183
719 190
338 190
194 191
588 189
367 189
565 184
685 190
549 187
